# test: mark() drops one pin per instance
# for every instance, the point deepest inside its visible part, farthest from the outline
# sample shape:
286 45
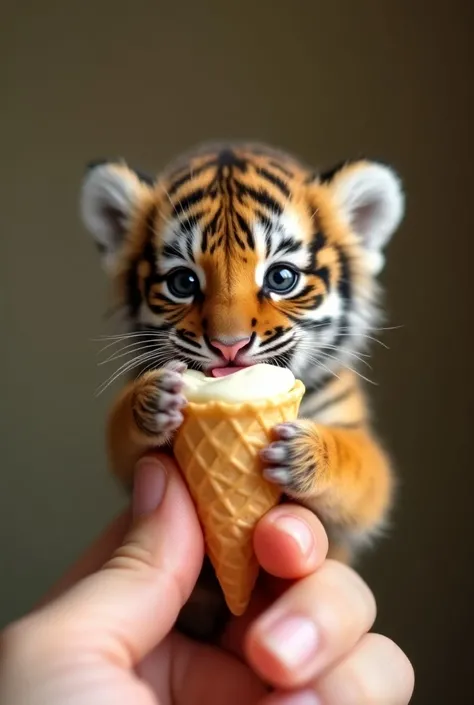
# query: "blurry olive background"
328 81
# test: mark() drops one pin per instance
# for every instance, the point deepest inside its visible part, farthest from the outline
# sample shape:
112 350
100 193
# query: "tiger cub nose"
230 350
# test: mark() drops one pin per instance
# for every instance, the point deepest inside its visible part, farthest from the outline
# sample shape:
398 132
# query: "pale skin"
105 633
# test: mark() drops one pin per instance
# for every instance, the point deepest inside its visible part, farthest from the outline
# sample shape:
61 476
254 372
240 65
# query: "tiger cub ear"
370 197
110 194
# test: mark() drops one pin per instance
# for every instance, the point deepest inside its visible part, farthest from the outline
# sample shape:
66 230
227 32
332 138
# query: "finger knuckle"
132 557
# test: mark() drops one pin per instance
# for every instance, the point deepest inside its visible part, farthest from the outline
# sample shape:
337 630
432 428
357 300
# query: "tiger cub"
238 254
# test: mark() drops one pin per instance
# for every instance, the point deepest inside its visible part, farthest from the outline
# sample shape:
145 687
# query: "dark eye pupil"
281 276
281 279
183 283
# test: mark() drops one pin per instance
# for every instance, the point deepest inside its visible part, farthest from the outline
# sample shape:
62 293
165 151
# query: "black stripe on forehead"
259 196
180 179
264 220
237 238
267 225
246 229
210 229
229 158
184 204
275 180
186 226
284 170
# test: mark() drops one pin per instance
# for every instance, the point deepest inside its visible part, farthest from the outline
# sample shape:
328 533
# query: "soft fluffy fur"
229 213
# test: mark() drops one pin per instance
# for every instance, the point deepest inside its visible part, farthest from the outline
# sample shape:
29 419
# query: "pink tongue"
224 371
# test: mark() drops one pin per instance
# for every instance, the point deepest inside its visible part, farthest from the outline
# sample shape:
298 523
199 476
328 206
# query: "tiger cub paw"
158 400
297 459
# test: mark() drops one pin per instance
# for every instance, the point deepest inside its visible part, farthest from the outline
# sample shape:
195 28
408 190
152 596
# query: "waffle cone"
217 448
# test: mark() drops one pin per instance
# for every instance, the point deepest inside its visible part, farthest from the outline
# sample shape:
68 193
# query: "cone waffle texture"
217 448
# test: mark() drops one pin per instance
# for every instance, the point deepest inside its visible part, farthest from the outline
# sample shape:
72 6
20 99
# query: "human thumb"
131 603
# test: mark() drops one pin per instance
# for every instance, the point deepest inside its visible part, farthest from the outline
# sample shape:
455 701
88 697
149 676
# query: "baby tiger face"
240 255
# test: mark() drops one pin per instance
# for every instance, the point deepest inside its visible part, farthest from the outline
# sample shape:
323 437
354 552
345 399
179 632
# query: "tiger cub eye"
182 283
281 279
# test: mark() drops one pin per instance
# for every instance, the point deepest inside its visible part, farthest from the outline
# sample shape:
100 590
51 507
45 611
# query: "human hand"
105 634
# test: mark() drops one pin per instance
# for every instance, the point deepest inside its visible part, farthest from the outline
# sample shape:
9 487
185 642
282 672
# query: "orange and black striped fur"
242 246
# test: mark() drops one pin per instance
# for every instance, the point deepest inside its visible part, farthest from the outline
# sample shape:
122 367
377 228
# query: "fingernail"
149 486
292 640
299 531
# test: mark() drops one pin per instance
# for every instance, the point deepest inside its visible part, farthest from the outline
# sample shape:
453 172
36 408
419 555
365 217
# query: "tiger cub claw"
291 461
158 401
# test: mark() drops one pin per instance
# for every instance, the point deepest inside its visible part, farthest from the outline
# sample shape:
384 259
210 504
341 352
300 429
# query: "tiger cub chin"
238 254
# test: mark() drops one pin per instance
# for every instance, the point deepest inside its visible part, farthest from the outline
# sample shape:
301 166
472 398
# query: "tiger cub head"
237 255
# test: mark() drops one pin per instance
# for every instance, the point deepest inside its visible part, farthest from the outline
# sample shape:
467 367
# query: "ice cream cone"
217 448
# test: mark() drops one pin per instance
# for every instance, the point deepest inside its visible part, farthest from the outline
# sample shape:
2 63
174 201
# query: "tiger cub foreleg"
143 418
339 473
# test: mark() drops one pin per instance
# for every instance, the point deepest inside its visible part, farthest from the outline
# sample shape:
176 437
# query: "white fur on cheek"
330 308
147 317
